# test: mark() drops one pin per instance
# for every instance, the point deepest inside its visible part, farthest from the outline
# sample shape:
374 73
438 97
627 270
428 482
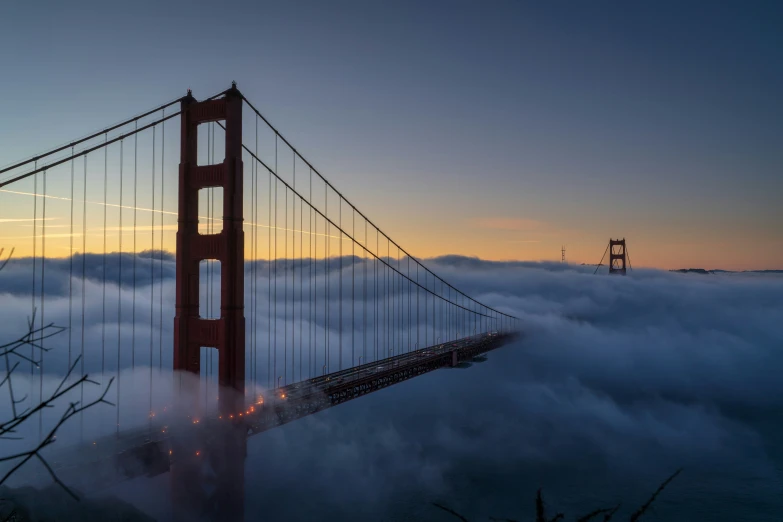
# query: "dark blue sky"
499 129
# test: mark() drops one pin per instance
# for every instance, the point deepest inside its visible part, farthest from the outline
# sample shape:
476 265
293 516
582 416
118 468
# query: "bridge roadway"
148 450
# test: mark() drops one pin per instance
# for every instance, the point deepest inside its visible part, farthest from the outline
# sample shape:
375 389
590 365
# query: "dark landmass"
27 504
713 271
717 271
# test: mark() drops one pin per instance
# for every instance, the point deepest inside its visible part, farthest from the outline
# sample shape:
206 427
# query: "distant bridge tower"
562 254
617 256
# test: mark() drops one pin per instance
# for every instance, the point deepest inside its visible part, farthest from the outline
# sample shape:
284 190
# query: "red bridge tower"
195 492
617 256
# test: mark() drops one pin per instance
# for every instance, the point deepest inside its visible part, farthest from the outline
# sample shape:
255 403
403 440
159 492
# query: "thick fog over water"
615 383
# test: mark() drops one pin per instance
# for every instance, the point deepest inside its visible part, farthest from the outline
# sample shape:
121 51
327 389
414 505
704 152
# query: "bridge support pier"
218 493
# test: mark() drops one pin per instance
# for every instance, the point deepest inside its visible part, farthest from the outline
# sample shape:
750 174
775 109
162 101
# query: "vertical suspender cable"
388 299
162 202
255 266
301 281
418 318
152 274
135 197
119 294
84 278
327 244
274 358
375 294
43 286
105 207
364 291
70 273
311 220
35 257
250 325
340 294
385 269
293 275
395 302
285 290
269 281
314 304
353 286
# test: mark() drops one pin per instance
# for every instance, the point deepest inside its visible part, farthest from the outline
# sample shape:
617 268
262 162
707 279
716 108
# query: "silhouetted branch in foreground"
658 491
6 259
450 511
541 511
8 428
608 513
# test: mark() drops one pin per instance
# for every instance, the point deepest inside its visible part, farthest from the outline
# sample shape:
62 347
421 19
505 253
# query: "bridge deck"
147 451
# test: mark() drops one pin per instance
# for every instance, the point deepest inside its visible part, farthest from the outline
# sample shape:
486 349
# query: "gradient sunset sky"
499 129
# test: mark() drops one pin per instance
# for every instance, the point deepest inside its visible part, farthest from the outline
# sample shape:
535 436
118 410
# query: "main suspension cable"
339 194
85 152
73 144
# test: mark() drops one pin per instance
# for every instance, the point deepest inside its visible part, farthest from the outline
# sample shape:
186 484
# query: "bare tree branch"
540 512
450 511
34 339
7 259
658 491
609 515
608 511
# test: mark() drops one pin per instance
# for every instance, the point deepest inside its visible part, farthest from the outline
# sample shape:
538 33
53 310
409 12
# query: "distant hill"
716 271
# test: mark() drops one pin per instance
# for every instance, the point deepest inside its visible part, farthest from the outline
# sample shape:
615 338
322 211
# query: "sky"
503 130
615 383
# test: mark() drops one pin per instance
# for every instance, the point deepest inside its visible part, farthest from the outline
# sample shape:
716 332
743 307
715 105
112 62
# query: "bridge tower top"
192 332
617 256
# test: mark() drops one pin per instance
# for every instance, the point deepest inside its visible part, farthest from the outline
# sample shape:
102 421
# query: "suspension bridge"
282 298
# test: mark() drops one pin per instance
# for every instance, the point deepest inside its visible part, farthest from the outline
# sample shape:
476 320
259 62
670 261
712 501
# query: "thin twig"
450 511
540 513
658 491
7 259
595 513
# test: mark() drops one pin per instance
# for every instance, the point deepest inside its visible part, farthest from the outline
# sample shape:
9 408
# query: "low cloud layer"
616 382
